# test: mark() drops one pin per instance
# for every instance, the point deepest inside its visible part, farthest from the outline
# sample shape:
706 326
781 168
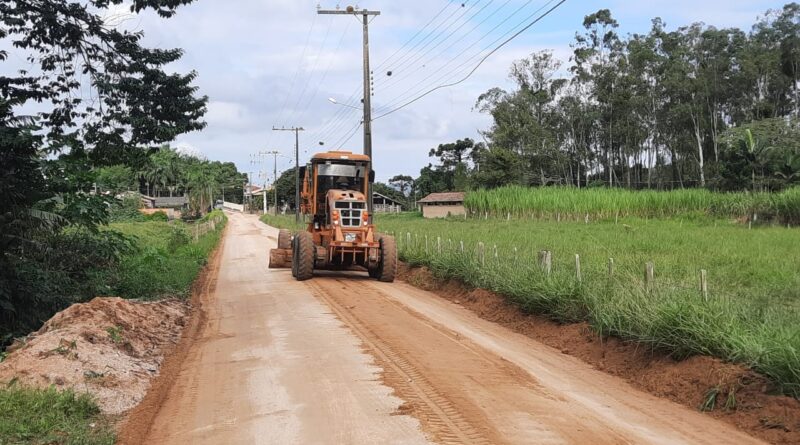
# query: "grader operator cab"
340 234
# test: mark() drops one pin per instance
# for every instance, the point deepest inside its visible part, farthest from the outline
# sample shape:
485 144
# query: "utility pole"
297 131
365 14
274 154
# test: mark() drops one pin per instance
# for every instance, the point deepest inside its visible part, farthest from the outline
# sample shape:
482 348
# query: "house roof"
376 194
444 197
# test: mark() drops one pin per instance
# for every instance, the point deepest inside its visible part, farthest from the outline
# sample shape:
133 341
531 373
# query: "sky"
265 63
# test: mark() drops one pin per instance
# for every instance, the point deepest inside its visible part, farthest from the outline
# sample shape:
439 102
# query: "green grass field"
605 203
48 416
752 315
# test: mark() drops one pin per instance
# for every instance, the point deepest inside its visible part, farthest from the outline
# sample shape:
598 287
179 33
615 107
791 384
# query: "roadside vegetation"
49 416
750 316
555 203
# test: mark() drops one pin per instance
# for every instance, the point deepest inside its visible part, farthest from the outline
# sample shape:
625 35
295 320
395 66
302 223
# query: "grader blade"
280 258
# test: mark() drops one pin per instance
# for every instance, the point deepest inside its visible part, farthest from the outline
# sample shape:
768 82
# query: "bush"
157 216
178 237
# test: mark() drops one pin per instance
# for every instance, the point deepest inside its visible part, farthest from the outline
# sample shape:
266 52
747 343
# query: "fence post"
439 245
586 219
611 267
545 261
481 253
462 246
704 284
578 268
408 240
649 274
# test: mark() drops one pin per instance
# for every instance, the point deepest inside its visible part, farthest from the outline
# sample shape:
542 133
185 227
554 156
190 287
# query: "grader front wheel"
284 239
387 269
303 256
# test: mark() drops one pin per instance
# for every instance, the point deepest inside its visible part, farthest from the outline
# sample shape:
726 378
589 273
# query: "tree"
115 179
403 183
106 100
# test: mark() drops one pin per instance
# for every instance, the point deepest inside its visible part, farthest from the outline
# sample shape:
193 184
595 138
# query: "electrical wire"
415 87
438 56
296 72
528 26
324 74
340 143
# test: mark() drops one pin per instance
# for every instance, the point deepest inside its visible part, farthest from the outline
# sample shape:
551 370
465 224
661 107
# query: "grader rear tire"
284 239
388 267
303 258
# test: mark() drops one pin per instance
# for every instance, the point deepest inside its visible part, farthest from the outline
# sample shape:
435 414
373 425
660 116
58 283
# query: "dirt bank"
756 411
108 347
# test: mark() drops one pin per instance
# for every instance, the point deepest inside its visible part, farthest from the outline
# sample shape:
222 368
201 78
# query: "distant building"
164 202
383 203
440 205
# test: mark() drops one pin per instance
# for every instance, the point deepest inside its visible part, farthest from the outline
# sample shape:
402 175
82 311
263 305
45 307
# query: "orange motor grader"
340 234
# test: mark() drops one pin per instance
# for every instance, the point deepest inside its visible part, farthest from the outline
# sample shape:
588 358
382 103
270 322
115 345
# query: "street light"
333 101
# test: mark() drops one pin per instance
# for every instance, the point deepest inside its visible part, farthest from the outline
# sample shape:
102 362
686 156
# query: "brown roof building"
441 205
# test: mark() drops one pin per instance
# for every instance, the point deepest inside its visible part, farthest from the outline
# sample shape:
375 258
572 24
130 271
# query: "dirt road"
343 359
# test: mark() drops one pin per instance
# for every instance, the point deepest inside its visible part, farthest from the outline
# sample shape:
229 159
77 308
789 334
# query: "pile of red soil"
108 347
743 397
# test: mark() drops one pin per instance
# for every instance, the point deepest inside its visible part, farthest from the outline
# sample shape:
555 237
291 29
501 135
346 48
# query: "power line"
325 73
311 73
340 143
297 71
447 5
479 63
417 88
407 74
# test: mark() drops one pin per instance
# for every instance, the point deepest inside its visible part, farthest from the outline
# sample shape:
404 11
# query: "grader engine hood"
349 217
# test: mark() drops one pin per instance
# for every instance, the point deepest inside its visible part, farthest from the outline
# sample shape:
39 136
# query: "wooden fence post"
611 267
649 274
439 245
481 253
462 246
426 244
495 252
704 284
578 268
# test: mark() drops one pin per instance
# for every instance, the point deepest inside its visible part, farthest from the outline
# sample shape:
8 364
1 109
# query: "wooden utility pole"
367 119
297 131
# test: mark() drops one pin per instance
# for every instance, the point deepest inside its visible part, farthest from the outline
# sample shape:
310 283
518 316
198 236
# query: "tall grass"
605 203
752 316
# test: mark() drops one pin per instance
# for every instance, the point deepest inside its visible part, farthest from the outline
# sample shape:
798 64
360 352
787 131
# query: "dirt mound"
737 394
109 347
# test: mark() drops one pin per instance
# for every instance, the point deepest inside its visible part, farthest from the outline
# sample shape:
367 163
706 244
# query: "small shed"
383 203
440 205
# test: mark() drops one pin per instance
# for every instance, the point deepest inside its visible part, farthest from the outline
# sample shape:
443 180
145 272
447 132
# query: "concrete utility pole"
367 81
297 131
274 154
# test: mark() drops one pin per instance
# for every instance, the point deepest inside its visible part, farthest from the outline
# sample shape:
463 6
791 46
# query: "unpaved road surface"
342 359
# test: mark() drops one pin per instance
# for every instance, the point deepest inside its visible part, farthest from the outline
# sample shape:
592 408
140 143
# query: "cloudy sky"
266 63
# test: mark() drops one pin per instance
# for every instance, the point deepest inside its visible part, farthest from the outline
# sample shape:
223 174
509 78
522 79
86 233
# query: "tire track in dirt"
442 420
460 391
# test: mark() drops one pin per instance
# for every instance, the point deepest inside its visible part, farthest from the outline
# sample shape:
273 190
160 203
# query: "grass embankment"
283 222
167 259
164 261
51 417
752 315
605 203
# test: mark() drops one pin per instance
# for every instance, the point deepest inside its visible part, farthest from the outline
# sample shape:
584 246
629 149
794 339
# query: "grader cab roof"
339 156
